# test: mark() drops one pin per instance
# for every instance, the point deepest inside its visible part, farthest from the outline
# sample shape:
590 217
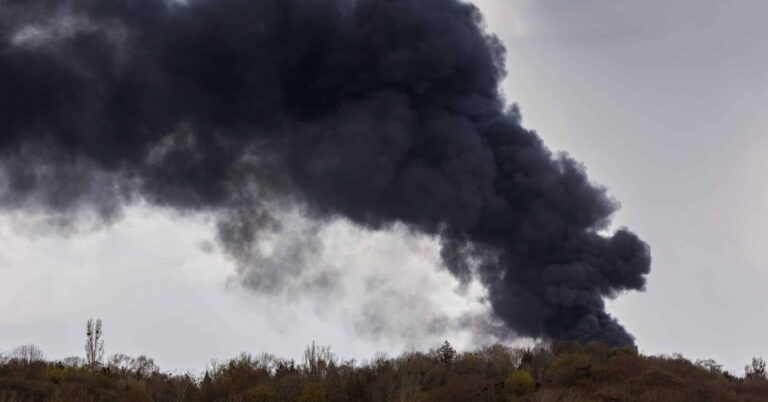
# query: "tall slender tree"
94 344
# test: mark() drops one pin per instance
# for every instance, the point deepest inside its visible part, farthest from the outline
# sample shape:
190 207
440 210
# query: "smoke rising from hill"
380 112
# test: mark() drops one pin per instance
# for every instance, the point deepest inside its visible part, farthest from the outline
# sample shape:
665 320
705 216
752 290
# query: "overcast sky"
663 101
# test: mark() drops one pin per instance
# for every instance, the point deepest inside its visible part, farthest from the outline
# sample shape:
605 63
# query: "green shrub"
54 374
313 392
519 382
261 393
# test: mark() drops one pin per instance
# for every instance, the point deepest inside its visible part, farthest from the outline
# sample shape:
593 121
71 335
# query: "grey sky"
664 103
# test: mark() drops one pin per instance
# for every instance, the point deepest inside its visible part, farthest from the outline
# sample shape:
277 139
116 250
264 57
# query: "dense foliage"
564 372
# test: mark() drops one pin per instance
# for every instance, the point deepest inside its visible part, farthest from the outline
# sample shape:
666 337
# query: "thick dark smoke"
376 111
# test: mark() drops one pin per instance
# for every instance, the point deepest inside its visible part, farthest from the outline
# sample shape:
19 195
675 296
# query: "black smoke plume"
375 111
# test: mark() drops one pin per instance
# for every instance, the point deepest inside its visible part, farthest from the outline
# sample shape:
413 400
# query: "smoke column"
380 112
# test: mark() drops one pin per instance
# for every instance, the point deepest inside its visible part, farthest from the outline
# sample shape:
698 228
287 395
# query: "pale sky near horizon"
663 101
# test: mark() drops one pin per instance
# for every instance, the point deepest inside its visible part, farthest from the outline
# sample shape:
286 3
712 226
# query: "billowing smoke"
380 112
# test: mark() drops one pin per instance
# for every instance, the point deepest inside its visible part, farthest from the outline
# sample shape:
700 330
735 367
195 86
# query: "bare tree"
72 361
94 345
318 360
756 369
27 354
710 365
144 367
141 367
120 363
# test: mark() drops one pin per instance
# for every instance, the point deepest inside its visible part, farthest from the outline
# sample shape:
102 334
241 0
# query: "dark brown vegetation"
564 372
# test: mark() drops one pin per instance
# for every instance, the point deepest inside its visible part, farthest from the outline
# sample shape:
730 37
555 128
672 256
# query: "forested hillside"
563 372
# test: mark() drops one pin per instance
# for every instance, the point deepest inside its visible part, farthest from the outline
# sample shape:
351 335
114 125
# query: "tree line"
556 372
